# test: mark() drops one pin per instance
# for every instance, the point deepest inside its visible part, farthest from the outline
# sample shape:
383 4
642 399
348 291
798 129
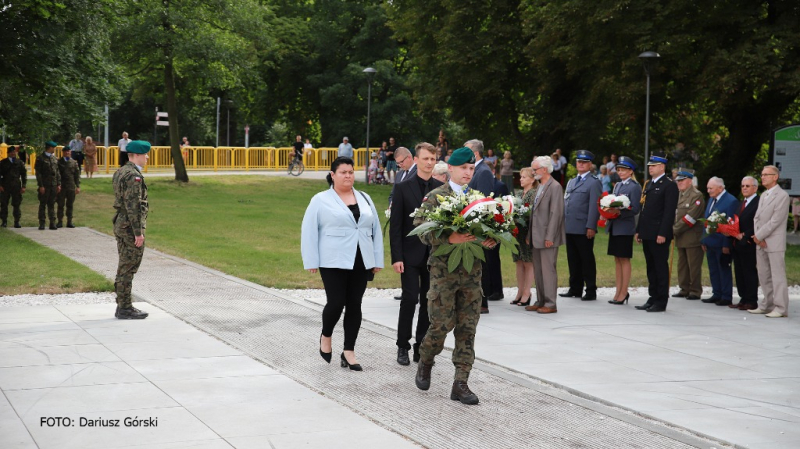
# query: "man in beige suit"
770 236
545 234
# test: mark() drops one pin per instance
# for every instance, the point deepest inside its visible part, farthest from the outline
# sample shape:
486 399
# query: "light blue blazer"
330 235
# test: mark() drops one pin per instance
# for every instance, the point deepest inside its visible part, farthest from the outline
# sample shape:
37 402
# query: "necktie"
711 208
580 179
744 204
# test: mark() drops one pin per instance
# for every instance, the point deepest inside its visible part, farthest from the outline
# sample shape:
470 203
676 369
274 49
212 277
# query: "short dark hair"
341 160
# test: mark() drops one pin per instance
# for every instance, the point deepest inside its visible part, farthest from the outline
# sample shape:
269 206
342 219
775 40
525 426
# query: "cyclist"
298 149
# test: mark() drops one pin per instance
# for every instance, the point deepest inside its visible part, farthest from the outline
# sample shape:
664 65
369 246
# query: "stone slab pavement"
593 375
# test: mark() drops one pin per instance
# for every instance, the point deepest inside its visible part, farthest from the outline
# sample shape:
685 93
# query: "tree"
209 45
57 68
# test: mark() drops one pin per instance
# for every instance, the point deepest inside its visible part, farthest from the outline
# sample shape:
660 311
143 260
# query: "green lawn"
32 268
249 227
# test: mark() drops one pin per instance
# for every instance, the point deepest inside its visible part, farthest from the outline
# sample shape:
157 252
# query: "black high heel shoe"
619 303
526 303
325 355
516 301
345 364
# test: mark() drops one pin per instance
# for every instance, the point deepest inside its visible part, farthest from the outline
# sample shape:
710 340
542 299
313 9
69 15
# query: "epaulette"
594 176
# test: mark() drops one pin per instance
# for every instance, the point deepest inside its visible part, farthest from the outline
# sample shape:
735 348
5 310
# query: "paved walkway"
715 371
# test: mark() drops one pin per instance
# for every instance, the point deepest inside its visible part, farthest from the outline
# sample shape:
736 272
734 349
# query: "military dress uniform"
130 221
656 219
688 233
580 214
70 184
49 178
454 302
13 180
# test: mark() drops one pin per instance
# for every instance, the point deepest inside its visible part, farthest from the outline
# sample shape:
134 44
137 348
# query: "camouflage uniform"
130 221
454 301
13 178
688 233
47 176
70 180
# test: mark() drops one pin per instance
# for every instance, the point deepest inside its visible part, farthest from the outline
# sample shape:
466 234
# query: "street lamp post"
648 58
218 102
229 104
370 74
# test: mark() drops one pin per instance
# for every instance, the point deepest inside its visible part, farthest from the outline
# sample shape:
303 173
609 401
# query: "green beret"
462 156
138 147
50 144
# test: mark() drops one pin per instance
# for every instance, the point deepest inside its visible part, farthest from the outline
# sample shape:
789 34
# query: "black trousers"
582 265
15 196
657 258
344 290
123 158
78 156
744 265
416 281
492 276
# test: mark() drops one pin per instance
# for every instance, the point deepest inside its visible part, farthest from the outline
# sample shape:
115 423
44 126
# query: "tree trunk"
172 109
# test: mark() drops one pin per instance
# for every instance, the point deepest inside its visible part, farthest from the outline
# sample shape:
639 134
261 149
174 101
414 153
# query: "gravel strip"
58 300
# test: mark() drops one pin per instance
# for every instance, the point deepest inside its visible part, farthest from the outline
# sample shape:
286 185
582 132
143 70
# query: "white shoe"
775 314
758 311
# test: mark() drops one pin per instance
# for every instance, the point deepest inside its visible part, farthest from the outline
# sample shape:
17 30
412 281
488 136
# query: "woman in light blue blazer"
341 237
623 228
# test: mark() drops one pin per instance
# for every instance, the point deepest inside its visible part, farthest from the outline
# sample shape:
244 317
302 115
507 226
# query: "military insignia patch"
137 179
697 202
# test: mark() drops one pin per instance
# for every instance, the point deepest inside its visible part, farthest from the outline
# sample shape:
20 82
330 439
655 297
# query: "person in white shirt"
123 153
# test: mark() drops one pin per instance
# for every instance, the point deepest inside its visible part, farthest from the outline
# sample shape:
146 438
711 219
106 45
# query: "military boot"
3 225
69 224
423 379
461 392
53 225
131 313
16 224
41 225
60 224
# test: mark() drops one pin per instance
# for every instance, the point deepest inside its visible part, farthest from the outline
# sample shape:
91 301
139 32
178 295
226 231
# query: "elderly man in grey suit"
483 181
546 234
404 158
770 236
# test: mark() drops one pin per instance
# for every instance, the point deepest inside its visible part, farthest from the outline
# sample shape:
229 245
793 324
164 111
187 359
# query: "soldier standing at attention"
580 223
688 234
13 180
49 180
454 299
70 173
654 231
130 221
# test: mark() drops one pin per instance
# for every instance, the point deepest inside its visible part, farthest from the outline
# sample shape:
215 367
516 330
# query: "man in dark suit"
744 249
404 158
654 231
409 254
483 181
580 215
718 246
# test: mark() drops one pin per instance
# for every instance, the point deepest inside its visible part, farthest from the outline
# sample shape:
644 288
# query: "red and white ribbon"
689 220
475 205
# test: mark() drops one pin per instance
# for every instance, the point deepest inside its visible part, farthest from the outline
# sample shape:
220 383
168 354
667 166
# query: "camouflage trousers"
66 197
454 304
48 200
130 257
16 200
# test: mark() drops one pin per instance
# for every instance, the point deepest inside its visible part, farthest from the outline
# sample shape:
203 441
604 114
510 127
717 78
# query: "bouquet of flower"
730 228
610 205
714 220
468 213
521 211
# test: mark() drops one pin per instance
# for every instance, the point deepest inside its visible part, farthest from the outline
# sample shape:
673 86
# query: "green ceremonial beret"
50 144
138 147
462 156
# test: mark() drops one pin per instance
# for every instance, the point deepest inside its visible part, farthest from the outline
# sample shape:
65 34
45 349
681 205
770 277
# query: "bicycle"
296 167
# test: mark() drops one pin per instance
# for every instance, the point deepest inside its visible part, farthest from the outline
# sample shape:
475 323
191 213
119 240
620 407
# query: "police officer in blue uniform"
654 230
580 217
